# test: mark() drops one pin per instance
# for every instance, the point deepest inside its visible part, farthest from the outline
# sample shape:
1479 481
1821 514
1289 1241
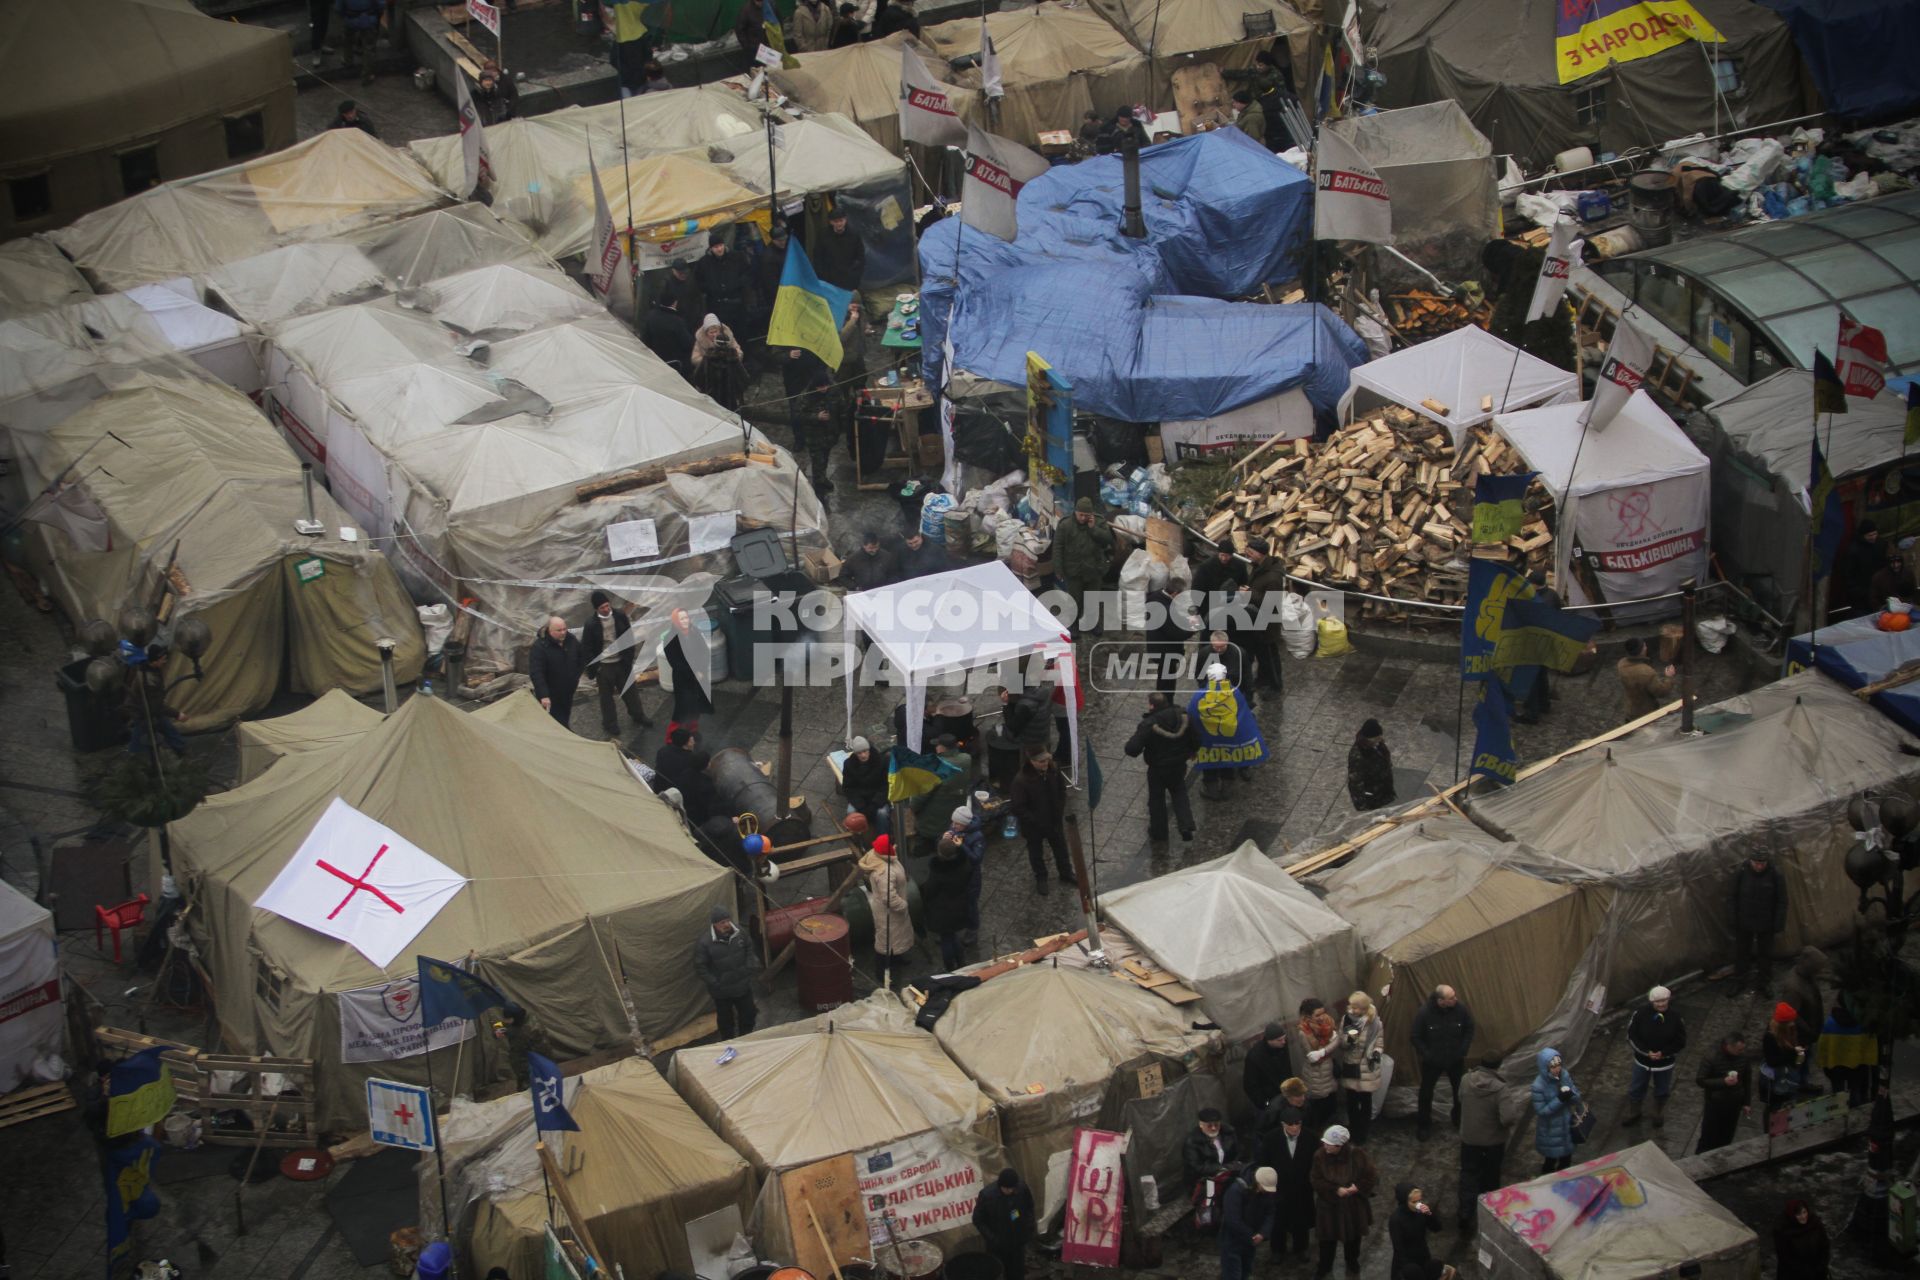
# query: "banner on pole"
486 15
381 1023
1551 285
1350 201
996 171
926 106
1628 356
1861 358
1096 1199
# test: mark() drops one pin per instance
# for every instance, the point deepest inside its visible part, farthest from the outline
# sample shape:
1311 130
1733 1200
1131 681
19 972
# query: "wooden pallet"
31 1104
285 1120
182 1059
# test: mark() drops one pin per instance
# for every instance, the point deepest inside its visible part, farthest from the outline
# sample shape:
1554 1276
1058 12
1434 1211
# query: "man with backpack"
1167 739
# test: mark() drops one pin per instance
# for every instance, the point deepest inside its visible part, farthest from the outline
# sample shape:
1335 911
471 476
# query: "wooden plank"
32 1104
699 1029
826 1192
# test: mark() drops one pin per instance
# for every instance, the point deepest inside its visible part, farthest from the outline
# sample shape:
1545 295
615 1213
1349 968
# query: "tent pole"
440 1157
1459 718
633 249
1082 869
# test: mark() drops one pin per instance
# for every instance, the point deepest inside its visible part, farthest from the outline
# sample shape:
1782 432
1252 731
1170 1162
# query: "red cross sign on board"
379 911
399 1115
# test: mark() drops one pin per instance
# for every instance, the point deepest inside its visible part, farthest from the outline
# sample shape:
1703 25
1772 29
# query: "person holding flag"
1230 741
807 311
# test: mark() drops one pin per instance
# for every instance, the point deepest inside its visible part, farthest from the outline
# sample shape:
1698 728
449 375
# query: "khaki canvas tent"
1629 1215
1056 1047
1664 821
105 97
1244 934
57 361
1056 63
1434 906
1439 174
194 483
1177 32
862 83
642 1166
570 861
861 1082
334 717
336 181
35 276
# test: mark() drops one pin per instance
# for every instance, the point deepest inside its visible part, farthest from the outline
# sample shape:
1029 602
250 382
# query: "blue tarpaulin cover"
1857 653
1139 326
1861 53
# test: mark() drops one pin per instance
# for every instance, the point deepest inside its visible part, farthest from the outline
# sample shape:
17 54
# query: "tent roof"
504 297
1458 369
47 349
859 1077
824 152
1057 1027
1044 42
862 82
334 717
1175 27
423 248
1772 423
294 280
1640 446
550 829
35 276
983 615
175 306
1431 133
19 913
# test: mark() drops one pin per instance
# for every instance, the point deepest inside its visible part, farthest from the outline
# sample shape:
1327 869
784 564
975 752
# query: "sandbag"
1330 635
1296 625
1139 575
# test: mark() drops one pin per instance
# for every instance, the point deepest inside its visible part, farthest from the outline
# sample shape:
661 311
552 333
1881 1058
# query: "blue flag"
448 991
1229 735
1493 755
130 1193
1535 633
549 1095
1095 783
1490 587
1829 521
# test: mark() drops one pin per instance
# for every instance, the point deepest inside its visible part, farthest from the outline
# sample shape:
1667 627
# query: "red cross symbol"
359 882
404 1114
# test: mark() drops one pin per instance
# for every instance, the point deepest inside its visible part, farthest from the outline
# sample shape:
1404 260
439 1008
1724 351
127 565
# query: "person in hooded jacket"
1801 1250
1163 737
1408 1227
1555 1100
1370 768
554 666
1483 1137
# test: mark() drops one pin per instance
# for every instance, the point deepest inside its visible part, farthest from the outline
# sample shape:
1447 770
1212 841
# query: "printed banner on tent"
926 106
916 1187
1628 356
1555 268
1096 1199
1350 201
996 171
381 1023
1593 34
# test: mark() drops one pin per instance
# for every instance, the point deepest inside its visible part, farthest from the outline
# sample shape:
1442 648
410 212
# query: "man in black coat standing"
1162 737
554 666
603 630
1289 1151
682 765
1759 912
724 961
838 257
1003 1215
1442 1034
668 334
1267 1067
1040 803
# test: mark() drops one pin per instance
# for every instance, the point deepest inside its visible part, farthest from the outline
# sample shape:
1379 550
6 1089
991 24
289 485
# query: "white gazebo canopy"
960 620
1459 370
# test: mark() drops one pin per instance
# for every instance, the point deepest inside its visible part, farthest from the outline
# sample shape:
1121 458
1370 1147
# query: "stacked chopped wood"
1418 314
1385 506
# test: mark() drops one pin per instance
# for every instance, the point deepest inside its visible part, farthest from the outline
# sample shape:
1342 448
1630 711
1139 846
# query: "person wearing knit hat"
1082 556
1003 1215
1781 1055
1342 1178
893 936
723 959
863 781
1267 1065
1655 1035
1370 768
943 897
607 630
972 836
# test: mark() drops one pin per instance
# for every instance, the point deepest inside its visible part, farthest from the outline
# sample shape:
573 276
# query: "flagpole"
439 1146
633 250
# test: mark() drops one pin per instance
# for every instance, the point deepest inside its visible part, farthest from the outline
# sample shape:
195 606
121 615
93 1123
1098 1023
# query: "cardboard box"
820 565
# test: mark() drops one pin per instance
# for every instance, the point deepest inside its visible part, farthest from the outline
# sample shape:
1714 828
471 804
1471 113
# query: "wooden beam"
641 477
557 1180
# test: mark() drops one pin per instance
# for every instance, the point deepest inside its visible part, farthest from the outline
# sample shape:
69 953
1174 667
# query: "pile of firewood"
1418 315
1385 506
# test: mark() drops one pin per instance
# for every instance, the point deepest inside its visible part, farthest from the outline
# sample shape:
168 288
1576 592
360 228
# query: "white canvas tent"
944 624
1633 497
1244 934
1459 370
32 1020
295 279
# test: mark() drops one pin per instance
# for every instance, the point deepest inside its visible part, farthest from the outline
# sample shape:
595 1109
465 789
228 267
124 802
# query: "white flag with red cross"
361 882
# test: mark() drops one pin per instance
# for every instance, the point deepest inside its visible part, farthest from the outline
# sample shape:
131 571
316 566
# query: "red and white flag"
996 170
991 82
604 251
473 139
1861 360
926 106
1551 285
1349 201
363 883
1628 356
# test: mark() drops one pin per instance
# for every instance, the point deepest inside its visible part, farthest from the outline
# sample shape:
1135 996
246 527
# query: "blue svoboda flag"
448 991
807 311
1493 754
1535 633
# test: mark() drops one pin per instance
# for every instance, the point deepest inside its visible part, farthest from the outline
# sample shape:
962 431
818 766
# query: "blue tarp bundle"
1138 326
1857 653
1862 53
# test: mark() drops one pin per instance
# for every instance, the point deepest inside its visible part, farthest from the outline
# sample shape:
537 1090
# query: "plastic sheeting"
35 276
1629 1215
1244 934
56 361
1857 653
439 242
862 83
1861 53
569 860
825 152
1439 174
293 280
1459 370
1056 62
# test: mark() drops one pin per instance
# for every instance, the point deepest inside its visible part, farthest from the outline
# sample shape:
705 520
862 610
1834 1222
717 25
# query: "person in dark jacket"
554 666
918 557
1442 1034
1342 1178
682 649
890 16
1801 1249
863 781
1123 126
668 334
1759 912
1726 1078
1289 1149
1408 1227
1266 585
361 21
750 30
606 627
144 706
726 280
1483 1137
944 897
683 766
816 428
847 27
1781 1056
1246 1220
1040 803
1656 1036
870 567
680 285
838 256
724 961
718 365
1267 1067
350 116
1164 738
1003 1215
1801 989
1082 553
495 96
1370 768
1209 1150
1865 555
972 837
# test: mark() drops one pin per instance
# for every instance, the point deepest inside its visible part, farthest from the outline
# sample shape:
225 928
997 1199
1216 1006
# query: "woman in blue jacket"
1555 1099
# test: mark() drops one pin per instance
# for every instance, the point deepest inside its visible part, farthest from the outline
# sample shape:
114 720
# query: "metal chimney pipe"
389 695
306 479
1132 225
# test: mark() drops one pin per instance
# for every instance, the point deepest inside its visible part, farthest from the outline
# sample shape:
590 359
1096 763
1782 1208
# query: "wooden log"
640 478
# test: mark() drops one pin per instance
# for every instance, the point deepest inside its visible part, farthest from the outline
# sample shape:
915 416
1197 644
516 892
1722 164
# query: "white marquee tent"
1459 370
31 1022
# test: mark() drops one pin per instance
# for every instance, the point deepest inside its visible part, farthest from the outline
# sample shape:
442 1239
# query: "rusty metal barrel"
822 962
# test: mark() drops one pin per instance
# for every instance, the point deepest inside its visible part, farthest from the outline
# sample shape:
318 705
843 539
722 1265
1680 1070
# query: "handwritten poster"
1096 1198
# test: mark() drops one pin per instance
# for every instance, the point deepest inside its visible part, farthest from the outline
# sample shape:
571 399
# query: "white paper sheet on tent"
1459 370
956 621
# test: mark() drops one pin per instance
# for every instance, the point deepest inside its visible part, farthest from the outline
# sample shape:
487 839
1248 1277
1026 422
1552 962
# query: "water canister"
933 516
1573 158
1592 206
1650 207
823 962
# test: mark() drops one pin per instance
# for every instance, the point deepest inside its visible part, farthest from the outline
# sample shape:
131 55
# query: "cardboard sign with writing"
1096 1198
831 1191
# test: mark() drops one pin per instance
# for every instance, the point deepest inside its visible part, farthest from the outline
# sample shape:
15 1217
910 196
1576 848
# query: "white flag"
926 106
605 249
473 139
996 170
990 81
363 883
1628 356
1551 285
1350 201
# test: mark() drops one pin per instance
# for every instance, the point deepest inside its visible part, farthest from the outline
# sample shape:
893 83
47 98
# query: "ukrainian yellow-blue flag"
770 23
139 1092
807 311
914 773
1824 509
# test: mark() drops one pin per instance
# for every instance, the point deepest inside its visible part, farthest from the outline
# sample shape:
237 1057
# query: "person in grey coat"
1485 1117
724 961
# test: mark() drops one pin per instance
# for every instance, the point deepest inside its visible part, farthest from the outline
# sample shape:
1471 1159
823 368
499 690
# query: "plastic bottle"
1011 829
426 687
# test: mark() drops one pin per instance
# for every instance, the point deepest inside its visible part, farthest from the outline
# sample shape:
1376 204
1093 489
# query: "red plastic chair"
124 916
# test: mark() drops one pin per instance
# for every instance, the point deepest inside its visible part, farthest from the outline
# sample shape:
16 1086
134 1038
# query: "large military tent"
862 83
1433 905
1244 934
1498 63
106 97
194 484
569 859
334 717
1058 1047
861 1082
1057 62
642 1166
1176 32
